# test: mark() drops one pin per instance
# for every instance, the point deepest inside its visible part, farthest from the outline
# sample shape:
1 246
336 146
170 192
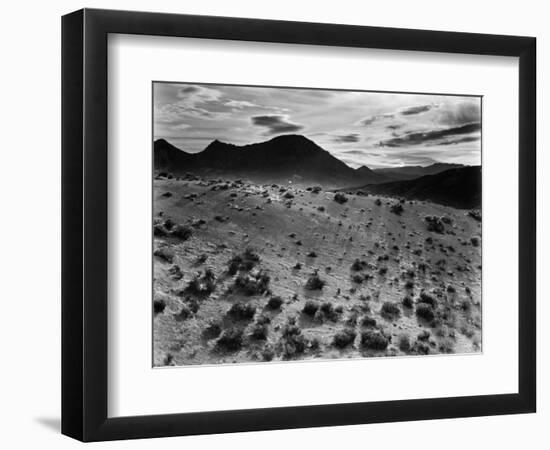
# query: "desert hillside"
459 188
248 272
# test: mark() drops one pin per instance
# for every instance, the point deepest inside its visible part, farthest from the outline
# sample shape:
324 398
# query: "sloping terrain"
460 188
280 160
410 172
247 272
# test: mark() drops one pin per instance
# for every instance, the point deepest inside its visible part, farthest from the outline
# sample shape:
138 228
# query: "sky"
375 129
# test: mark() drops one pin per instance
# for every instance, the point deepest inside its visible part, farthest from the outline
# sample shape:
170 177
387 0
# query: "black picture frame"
84 224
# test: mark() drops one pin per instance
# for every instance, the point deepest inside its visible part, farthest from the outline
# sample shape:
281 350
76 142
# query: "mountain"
281 159
166 155
410 172
375 176
459 188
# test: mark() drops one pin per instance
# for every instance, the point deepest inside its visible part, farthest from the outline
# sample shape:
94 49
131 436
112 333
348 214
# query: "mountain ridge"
282 158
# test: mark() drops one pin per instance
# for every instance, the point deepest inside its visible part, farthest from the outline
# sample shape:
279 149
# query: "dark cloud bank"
276 124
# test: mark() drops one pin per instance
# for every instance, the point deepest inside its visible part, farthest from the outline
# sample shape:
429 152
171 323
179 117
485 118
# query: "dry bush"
344 338
390 311
243 262
314 282
165 254
374 340
230 340
340 198
182 232
310 308
253 283
242 311
425 311
274 302
159 305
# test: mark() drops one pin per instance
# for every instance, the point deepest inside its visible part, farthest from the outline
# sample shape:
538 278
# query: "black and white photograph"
301 224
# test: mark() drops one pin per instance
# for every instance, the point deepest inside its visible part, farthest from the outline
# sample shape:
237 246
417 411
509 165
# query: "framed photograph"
273 224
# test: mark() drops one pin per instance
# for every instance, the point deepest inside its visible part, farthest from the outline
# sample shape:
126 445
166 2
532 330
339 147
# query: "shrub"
425 311
159 230
374 340
312 254
212 330
390 311
274 302
182 232
329 312
344 338
403 343
310 308
421 348
359 265
314 282
175 272
368 322
202 285
428 299
383 270
424 336
165 253
434 224
243 262
184 313
340 198
288 195
396 208
357 278
409 284
475 214
321 208
159 305
297 266
230 340
259 329
407 302
267 353
168 360
242 311
169 224
292 342
167 194
252 283
316 189
475 241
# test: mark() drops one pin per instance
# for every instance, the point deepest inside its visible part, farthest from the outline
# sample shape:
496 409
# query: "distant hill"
411 172
281 159
459 188
373 175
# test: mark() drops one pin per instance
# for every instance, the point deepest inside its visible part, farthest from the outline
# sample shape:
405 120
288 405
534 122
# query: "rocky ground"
246 272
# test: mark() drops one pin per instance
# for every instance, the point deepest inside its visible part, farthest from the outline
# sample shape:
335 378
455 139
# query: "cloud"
417 109
375 118
462 113
276 124
394 127
240 104
461 140
347 138
429 137
189 90
197 101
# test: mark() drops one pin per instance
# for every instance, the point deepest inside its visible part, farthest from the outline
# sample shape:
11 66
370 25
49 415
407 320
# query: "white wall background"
30 178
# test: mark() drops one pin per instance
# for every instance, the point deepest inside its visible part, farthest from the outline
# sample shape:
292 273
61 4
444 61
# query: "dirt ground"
390 287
